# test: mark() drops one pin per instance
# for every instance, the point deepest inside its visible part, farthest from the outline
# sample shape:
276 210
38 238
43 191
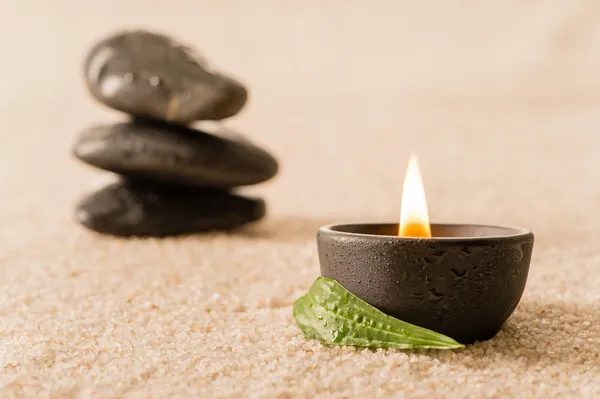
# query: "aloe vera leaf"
334 316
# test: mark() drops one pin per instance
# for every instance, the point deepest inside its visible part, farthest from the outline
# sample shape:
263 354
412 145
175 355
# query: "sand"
498 99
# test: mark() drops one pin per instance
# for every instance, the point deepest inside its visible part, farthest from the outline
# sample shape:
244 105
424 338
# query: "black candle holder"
464 282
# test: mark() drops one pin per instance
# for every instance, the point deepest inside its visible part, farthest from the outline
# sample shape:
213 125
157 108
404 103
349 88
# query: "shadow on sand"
540 334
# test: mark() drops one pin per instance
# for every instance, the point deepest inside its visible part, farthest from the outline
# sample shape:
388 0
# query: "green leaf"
334 316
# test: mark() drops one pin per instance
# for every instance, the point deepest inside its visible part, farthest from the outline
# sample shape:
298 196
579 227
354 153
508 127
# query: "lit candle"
461 280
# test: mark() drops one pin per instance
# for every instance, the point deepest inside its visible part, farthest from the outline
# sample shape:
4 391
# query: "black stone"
464 282
130 208
151 75
174 154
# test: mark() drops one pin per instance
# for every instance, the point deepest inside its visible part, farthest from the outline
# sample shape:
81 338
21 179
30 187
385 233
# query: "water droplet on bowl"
434 294
458 274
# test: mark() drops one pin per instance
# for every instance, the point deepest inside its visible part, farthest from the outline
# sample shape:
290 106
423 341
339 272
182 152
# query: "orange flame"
414 217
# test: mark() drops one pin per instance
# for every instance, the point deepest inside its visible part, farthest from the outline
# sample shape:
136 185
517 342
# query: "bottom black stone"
136 209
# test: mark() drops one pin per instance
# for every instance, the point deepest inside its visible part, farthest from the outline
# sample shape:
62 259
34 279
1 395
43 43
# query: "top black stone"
151 75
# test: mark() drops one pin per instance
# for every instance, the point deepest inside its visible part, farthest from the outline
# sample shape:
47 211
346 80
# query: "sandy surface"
500 100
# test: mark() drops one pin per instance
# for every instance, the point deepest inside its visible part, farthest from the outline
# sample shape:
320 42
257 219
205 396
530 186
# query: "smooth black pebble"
151 75
137 209
174 154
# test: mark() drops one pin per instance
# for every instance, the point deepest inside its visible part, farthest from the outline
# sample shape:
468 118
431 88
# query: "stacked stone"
174 179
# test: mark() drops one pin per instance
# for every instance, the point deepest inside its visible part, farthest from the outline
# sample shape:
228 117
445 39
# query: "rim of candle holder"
509 231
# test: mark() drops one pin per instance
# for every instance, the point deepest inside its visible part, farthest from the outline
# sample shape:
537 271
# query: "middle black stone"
162 152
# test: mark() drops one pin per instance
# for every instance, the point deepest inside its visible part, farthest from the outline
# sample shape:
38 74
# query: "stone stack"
174 179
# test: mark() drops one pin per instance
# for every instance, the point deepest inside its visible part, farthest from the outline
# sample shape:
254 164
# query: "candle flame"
414 217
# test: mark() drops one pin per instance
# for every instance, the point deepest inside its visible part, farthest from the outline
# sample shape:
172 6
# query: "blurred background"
500 100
